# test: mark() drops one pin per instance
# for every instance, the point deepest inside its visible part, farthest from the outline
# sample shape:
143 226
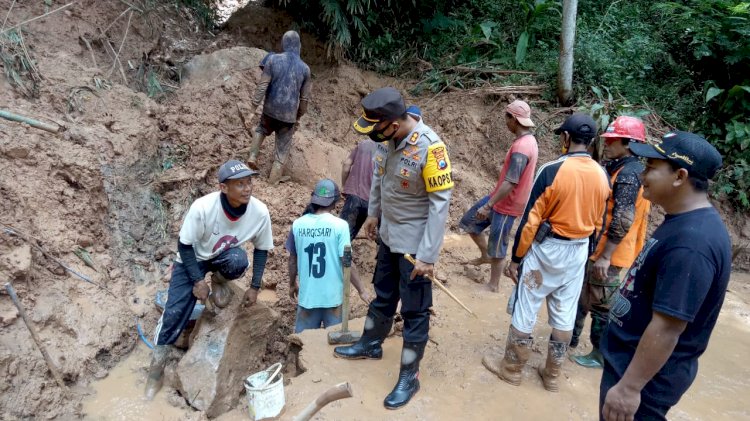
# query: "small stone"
17 152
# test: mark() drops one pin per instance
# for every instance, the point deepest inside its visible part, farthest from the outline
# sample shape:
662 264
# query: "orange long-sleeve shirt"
571 193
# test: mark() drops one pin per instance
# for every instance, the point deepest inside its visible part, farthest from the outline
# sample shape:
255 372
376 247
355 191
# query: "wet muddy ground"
455 385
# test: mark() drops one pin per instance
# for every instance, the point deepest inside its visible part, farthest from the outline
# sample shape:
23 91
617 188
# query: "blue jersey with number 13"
319 242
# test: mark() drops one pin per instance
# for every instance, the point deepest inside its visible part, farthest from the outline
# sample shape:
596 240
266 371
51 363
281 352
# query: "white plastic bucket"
265 393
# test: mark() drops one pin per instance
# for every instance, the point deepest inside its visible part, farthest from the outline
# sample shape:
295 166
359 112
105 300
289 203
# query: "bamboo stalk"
50 365
30 121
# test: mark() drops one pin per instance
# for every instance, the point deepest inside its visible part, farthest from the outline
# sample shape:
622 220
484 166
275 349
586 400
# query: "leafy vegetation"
686 62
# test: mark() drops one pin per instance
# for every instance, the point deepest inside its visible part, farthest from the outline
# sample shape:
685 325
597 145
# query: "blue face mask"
380 136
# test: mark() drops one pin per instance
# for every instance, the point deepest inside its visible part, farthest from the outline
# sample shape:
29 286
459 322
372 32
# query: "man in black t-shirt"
663 314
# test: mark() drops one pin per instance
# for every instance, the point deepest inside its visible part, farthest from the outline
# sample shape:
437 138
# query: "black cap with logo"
579 125
685 149
384 104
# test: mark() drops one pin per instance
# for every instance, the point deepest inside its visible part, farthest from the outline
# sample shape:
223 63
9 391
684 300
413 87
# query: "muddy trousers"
284 133
392 283
647 410
595 298
354 213
231 264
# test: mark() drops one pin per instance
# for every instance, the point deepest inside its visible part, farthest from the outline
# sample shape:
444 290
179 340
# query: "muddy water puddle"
119 396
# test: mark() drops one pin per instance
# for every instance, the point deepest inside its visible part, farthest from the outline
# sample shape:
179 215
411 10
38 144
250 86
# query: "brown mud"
118 181
455 385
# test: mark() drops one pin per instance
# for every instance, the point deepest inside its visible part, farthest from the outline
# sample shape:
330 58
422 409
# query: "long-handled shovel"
345 336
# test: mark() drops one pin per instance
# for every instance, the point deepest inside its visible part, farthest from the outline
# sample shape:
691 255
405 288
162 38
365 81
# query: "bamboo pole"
51 365
30 121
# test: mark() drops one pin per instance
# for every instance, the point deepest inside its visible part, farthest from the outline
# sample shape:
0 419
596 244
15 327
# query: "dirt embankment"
117 182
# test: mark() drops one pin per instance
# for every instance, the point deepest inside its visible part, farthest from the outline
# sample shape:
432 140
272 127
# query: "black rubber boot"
408 377
369 345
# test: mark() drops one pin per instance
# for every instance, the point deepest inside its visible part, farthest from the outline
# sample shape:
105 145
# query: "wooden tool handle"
441 286
340 391
347 269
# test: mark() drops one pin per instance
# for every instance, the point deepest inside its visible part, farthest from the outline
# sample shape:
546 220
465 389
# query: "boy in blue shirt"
316 246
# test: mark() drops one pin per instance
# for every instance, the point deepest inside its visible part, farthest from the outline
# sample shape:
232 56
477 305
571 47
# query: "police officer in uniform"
411 192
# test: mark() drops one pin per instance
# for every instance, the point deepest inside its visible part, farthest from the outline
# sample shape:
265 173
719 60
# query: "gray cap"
234 169
326 193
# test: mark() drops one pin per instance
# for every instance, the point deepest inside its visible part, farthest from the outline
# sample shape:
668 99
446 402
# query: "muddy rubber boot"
254 149
277 170
510 368
156 371
221 294
408 377
593 359
550 372
370 344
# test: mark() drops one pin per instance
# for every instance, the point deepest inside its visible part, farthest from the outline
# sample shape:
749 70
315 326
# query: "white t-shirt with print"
208 229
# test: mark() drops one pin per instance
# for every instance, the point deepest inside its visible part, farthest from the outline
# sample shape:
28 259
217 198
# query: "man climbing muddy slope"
212 233
285 86
411 191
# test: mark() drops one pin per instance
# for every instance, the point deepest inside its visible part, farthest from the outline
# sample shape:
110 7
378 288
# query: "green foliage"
715 44
534 9
687 62
729 130
203 10
20 68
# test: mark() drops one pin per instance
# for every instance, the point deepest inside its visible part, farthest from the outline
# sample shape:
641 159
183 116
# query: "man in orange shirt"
565 211
627 218
500 208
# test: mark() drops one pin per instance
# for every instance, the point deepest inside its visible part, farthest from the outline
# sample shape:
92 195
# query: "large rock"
312 159
226 349
217 66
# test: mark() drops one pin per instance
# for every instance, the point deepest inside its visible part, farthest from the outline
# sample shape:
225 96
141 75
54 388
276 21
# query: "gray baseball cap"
234 169
326 193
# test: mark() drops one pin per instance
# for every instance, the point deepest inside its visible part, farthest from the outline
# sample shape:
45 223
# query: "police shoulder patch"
413 138
437 169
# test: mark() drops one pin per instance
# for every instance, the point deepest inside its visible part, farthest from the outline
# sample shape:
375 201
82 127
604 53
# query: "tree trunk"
567 42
